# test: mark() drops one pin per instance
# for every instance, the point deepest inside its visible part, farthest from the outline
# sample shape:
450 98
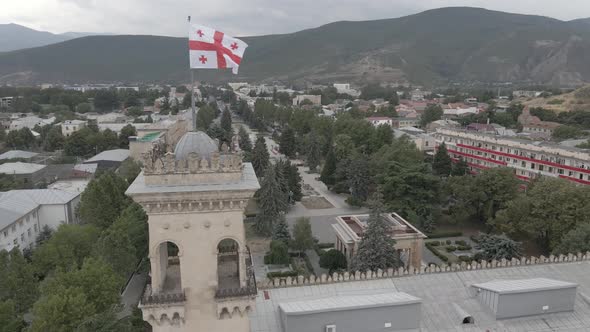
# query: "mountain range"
16 37
456 44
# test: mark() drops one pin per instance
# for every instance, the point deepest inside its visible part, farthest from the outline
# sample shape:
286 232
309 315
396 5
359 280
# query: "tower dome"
195 141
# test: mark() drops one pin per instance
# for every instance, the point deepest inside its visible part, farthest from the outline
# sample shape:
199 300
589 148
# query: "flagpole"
193 114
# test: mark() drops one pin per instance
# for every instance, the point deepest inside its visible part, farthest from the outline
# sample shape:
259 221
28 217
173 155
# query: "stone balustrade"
167 164
403 272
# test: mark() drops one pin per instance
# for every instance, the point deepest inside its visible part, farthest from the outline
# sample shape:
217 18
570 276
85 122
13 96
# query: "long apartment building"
529 159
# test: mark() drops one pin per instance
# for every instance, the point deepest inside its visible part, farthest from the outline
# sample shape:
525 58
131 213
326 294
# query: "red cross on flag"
213 49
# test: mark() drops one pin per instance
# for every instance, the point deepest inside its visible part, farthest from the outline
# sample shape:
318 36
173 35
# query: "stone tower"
201 269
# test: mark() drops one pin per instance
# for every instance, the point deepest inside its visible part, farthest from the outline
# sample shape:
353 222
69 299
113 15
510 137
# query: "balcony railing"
163 298
249 290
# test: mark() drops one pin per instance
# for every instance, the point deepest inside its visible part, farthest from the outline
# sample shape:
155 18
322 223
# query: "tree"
67 248
245 142
226 123
62 311
575 241
293 177
287 144
126 132
376 249
333 260
481 197
116 248
549 209
103 200
129 170
431 113
106 100
442 164
272 201
84 108
10 321
302 235
44 235
54 140
329 169
205 116
313 152
133 222
498 247
19 281
383 135
359 179
260 156
460 168
70 298
279 253
280 230
566 132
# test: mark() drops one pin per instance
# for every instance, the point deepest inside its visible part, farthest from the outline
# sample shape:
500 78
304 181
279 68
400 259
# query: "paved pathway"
132 293
314 259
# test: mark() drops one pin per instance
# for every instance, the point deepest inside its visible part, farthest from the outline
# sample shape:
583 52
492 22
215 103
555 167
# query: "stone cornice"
191 206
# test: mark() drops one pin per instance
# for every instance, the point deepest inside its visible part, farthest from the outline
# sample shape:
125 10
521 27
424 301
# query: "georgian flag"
213 49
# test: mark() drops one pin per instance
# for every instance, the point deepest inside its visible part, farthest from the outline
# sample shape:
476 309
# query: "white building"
30 122
69 127
376 121
6 101
316 100
528 159
23 213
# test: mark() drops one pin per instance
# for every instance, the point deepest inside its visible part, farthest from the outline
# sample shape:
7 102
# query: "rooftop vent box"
526 297
394 311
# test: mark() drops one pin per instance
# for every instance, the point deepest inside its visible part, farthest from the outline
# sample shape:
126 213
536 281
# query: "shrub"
272 275
449 242
434 243
436 252
333 260
460 243
279 253
450 248
444 234
467 259
474 238
464 248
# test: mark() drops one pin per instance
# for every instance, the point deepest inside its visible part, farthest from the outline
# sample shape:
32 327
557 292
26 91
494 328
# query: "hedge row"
444 234
436 252
271 275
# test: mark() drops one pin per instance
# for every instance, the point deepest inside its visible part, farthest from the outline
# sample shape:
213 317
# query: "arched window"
169 268
228 264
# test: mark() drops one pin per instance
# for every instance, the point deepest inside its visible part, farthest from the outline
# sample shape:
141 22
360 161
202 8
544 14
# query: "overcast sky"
243 17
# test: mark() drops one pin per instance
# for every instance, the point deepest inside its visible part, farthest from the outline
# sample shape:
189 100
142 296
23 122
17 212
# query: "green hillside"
450 44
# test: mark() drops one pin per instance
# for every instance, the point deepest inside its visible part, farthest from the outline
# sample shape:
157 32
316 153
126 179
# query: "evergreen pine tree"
293 181
226 122
280 230
442 164
377 248
245 142
313 152
260 156
271 202
287 144
280 172
359 179
327 174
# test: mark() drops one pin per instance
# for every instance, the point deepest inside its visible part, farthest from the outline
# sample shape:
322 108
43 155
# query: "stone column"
242 254
417 254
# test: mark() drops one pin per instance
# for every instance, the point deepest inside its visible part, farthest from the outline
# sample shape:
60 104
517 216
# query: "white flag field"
213 49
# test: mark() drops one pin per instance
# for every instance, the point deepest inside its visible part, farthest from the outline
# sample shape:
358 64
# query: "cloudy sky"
243 17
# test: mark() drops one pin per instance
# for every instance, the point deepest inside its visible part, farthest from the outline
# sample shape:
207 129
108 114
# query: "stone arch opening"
169 268
228 264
